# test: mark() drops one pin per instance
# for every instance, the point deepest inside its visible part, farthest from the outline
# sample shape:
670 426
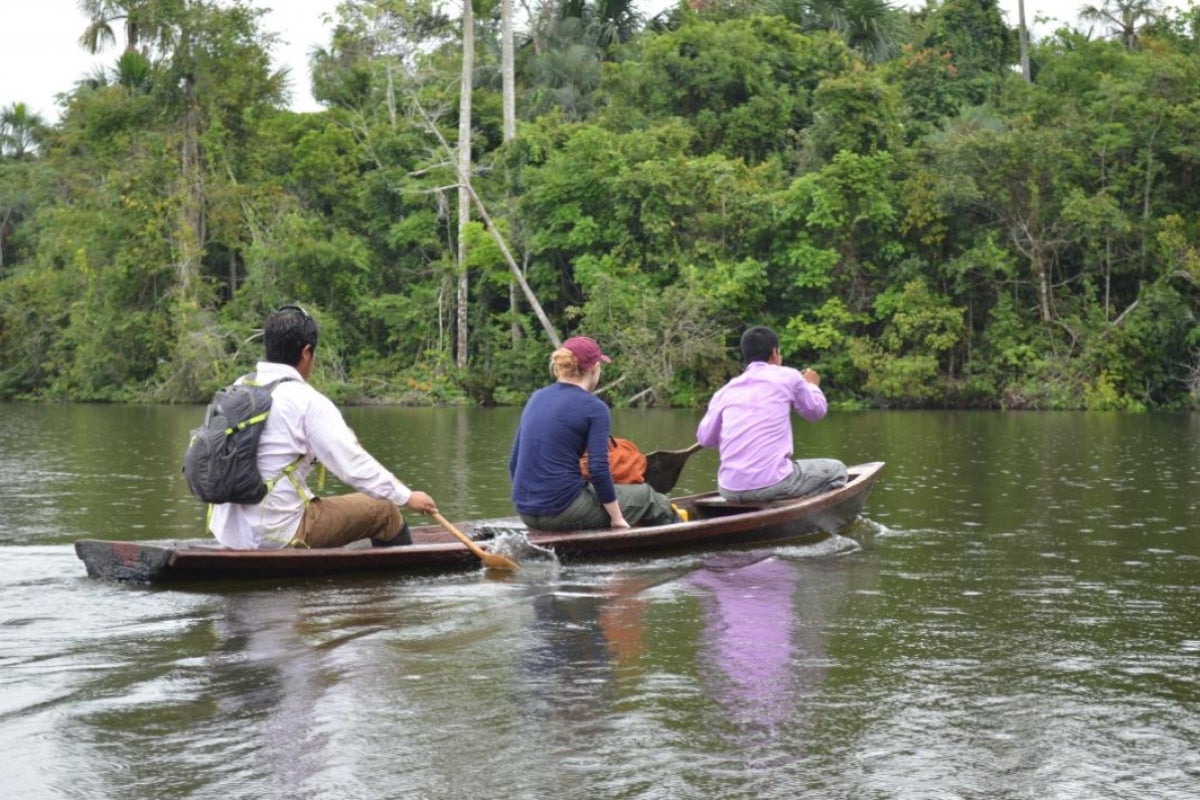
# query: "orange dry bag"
625 462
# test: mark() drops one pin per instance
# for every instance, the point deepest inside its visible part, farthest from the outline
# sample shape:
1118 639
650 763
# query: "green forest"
933 208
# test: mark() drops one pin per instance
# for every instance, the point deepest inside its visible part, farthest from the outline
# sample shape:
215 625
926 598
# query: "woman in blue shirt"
559 423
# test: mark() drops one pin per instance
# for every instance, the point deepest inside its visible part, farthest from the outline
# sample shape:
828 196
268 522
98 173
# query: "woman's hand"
616 519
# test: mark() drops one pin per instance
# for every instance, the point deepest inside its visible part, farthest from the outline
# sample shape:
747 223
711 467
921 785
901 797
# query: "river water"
1014 617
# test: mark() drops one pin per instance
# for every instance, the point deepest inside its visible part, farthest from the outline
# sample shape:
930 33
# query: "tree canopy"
919 223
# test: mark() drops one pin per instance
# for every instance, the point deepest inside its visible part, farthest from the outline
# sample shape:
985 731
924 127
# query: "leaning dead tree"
464 181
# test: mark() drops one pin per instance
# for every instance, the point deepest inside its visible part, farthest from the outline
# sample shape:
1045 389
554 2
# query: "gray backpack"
220 463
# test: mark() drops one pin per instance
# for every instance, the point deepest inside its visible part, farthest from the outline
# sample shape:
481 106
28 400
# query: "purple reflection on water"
748 637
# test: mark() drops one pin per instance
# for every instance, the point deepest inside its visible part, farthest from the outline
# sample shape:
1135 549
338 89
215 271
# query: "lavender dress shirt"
749 421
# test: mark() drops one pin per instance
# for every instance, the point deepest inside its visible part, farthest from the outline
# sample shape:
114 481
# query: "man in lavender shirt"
749 421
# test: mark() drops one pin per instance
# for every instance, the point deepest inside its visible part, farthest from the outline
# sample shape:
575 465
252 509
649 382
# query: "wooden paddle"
490 560
663 467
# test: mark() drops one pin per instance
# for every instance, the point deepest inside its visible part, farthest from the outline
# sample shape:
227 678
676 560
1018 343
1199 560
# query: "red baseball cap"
586 352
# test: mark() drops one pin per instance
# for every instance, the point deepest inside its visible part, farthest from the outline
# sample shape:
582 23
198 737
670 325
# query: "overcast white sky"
40 55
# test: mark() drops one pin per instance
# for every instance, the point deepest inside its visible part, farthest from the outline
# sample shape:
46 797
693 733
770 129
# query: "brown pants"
337 521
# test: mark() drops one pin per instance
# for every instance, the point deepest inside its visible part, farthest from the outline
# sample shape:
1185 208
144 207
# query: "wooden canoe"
711 523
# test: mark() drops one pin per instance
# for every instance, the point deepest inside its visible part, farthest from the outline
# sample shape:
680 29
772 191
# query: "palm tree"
20 130
133 71
605 22
1125 17
872 28
142 22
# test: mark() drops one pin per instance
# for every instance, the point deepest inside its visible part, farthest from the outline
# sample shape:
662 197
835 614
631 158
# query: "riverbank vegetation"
926 221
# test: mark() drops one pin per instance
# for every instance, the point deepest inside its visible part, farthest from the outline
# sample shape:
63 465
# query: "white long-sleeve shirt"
303 422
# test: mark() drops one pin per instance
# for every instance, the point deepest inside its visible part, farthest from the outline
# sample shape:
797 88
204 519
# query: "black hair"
758 342
286 333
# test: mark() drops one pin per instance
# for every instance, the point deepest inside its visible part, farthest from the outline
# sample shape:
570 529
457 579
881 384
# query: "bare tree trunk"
4 234
1028 240
509 91
1147 188
508 71
190 233
537 23
1043 281
1024 42
464 168
391 93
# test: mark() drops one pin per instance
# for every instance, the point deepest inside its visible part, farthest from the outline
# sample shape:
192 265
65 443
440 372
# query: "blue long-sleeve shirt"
558 423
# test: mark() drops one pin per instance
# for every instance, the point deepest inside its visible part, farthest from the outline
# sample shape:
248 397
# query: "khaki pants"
337 521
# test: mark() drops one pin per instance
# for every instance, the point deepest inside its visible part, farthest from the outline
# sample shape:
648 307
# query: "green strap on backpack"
220 463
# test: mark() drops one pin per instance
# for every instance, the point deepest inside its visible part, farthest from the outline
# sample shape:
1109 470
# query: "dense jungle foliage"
923 221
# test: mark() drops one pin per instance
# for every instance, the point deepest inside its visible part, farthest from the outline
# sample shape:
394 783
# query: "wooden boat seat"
717 504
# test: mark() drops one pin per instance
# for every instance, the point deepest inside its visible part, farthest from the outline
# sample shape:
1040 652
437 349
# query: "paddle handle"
462 537
493 560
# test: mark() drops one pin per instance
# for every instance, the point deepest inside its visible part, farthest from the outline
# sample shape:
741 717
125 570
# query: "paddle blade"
663 467
497 561
490 560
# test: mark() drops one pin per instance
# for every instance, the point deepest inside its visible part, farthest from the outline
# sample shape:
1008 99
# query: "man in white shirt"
305 426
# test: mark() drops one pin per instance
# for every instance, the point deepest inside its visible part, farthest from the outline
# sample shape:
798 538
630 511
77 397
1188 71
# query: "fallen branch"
611 385
641 394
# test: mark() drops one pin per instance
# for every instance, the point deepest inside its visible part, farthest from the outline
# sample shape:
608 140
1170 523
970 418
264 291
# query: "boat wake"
834 545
